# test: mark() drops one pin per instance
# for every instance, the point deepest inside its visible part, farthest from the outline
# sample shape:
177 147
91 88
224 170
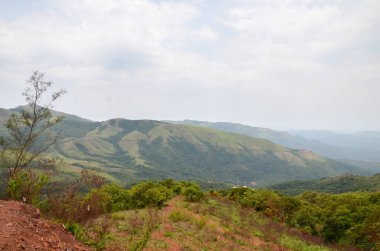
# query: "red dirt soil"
22 229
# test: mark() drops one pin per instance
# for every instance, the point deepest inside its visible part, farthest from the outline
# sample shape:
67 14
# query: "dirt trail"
22 229
160 235
224 236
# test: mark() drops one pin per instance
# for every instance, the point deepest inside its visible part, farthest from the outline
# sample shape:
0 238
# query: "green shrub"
76 230
174 186
367 234
192 193
149 194
108 198
27 185
118 197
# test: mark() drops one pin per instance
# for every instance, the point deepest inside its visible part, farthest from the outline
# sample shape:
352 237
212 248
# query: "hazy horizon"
284 65
289 130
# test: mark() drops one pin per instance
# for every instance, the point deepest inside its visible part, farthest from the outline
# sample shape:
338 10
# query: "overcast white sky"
282 64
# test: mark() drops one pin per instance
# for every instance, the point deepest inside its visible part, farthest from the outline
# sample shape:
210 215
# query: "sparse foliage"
91 179
28 130
27 127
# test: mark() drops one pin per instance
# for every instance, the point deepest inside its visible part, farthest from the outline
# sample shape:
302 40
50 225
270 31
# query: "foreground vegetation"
168 214
349 218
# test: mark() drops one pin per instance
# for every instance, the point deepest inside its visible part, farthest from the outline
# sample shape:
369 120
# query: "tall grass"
299 245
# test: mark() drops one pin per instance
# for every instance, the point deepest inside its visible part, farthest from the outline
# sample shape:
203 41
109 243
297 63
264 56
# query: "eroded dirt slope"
21 228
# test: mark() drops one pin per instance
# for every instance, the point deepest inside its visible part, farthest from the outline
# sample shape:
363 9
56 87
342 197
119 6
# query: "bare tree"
28 129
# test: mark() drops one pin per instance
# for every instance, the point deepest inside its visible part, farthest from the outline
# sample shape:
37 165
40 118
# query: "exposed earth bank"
21 228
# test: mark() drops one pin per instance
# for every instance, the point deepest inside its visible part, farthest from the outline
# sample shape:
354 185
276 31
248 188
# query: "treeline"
350 218
340 184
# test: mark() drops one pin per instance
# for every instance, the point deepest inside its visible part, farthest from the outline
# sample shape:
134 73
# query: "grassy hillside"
214 224
361 147
340 184
147 149
278 137
130 150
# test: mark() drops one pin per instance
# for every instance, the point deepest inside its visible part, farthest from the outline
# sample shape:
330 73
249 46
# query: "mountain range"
360 149
127 150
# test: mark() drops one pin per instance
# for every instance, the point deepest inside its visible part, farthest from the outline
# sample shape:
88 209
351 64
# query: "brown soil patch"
225 238
22 229
160 235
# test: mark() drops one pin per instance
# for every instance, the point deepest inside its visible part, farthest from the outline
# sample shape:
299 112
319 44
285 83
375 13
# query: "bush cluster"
75 206
351 218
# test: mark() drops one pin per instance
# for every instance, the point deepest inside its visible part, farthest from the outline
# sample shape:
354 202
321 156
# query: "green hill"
340 184
4 115
129 150
359 149
146 149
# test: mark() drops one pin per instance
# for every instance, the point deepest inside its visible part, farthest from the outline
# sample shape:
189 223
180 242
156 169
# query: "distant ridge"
360 149
127 150
55 113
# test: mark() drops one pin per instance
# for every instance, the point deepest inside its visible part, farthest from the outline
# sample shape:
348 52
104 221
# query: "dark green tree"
192 192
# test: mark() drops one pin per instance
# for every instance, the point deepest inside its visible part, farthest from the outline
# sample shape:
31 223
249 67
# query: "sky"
281 64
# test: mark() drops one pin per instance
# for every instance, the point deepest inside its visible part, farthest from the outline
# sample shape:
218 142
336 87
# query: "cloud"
283 64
